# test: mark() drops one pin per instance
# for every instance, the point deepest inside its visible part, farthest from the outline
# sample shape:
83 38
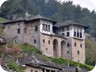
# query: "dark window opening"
34 41
45 27
67 52
36 28
78 52
52 71
25 30
75 44
42 70
68 34
80 35
77 34
43 40
31 70
63 34
68 45
74 33
18 31
81 45
47 70
46 48
48 42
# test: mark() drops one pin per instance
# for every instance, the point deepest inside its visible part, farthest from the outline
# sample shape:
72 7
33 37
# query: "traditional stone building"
41 65
64 39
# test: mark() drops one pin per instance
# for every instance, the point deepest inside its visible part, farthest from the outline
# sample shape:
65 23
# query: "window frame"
35 41
43 40
18 31
36 28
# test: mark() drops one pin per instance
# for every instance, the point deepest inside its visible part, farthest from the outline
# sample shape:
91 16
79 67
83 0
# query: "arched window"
55 48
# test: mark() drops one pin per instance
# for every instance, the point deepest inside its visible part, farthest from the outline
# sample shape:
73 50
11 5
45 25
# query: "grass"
71 63
12 65
2 20
29 48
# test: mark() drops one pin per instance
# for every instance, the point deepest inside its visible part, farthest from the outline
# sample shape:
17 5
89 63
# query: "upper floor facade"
45 25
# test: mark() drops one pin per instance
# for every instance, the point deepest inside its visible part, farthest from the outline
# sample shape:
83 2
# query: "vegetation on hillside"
62 61
90 50
12 65
16 50
2 20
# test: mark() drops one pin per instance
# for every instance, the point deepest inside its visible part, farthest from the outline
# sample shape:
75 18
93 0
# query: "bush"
72 63
29 48
12 65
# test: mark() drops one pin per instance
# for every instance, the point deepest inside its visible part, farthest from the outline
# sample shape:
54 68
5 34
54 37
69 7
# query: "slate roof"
31 18
37 61
68 23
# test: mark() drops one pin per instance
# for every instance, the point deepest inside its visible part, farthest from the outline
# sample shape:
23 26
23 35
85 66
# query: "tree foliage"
90 51
50 8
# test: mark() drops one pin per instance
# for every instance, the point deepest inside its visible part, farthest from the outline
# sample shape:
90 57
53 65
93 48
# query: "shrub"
12 65
29 48
72 63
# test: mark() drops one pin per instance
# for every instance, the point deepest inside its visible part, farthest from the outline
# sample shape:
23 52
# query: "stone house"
55 39
42 66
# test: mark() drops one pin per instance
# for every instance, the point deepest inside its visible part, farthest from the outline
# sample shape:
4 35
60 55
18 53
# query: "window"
48 28
77 34
43 40
68 34
31 70
74 33
52 71
36 28
80 45
36 71
42 70
46 48
67 52
78 52
25 30
68 45
34 41
45 27
49 42
63 34
75 44
47 70
80 35
78 60
18 31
